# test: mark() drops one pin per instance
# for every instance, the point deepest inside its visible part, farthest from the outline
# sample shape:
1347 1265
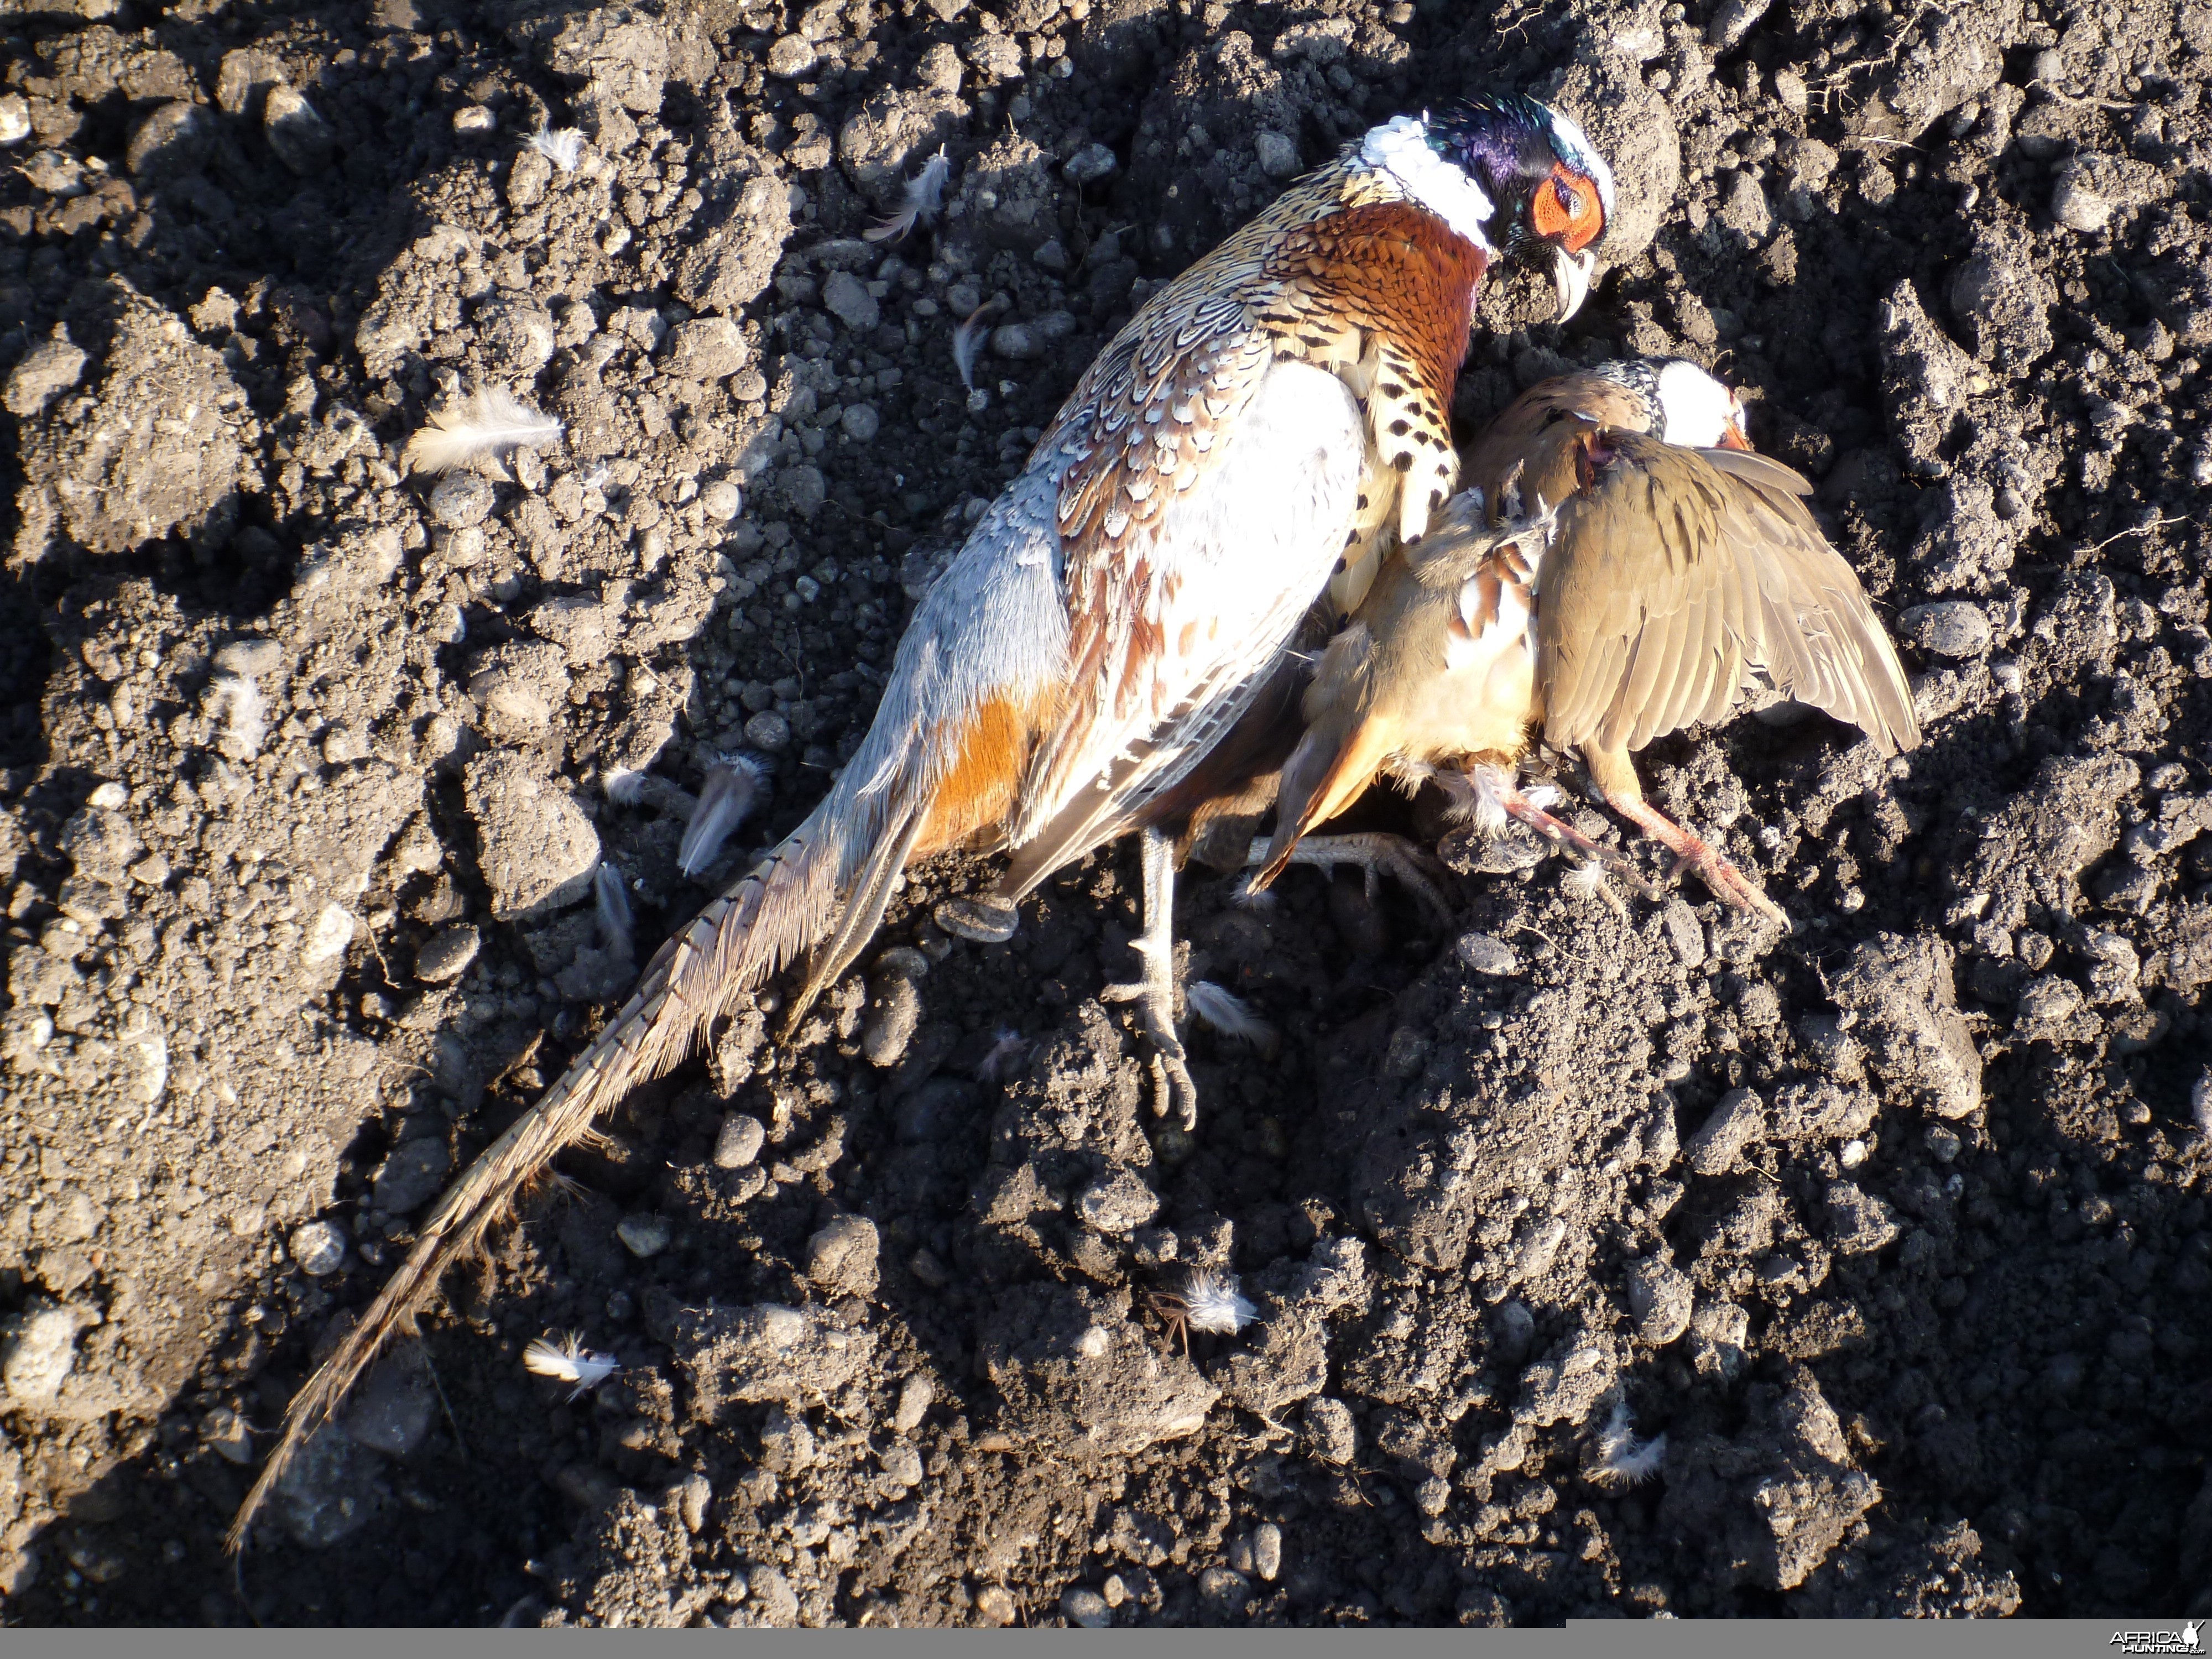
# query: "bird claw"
1174 1094
1375 855
1727 883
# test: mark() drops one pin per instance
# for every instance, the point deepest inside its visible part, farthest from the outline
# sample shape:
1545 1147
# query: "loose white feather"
967 341
922 200
1229 1014
569 1361
245 716
616 925
1212 1303
492 423
1009 1050
727 798
1622 1458
625 786
563 147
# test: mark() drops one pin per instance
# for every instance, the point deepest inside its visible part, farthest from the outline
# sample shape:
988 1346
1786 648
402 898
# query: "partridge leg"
1374 855
1496 797
1615 778
1173 1094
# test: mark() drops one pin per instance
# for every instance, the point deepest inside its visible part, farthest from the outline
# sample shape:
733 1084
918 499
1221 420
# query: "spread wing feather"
1675 575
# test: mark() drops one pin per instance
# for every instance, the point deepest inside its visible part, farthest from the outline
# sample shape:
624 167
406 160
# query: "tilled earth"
1892 1225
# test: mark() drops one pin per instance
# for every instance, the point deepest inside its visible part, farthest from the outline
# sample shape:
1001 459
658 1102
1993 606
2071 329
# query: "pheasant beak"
1571 273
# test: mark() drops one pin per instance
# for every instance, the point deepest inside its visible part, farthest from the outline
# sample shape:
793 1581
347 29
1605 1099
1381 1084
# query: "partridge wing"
1678 572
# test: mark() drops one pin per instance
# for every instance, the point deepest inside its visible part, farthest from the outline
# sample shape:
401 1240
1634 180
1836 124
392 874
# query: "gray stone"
392 1409
300 138
1714 1148
1016 341
1486 954
1952 627
769 730
446 954
841 1257
1083 1605
644 1235
536 846
1661 1298
707 349
462 498
1330 1427
790 57
862 422
170 143
319 1248
411 1175
1092 165
845 297
49 368
804 488
1120 1204
38 1349
738 1142
1278 154
901 1463
915 1398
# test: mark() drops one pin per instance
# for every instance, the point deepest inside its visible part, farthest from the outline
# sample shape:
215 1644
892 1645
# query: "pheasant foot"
1374 855
1173 1094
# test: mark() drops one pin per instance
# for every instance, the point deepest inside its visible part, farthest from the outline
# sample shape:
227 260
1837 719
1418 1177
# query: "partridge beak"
1732 437
1571 272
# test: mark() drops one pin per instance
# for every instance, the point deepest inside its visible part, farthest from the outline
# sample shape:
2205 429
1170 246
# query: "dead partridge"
1650 585
1275 416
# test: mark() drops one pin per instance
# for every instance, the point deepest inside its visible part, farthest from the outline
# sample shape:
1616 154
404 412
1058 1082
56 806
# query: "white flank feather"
1229 1014
923 198
244 717
564 147
1212 1303
1008 1050
625 786
1622 1458
727 798
615 923
569 1361
492 423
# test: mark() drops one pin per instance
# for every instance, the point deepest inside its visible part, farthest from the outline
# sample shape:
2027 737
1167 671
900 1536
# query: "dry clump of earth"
1894 1227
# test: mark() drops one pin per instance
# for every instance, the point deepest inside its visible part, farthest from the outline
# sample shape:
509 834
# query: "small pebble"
721 501
471 118
1114 1591
319 1248
1267 1550
1092 165
739 1141
995 1605
1328 1422
902 1463
893 1013
2200 1102
769 731
446 954
225 1432
1943 1144
841 1258
461 499
1487 955
1085 1607
1225 1590
862 422
1853 1154
644 1235
915 1400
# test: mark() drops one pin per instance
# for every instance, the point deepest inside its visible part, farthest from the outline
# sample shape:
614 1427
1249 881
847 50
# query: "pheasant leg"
1374 855
1173 1094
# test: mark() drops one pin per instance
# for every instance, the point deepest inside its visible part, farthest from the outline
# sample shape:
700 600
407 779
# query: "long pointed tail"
787 905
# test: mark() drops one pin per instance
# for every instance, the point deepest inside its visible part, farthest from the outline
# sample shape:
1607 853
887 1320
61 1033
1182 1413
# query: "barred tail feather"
793 901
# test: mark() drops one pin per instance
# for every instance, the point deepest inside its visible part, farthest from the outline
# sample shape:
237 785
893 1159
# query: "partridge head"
1273 416
1650 585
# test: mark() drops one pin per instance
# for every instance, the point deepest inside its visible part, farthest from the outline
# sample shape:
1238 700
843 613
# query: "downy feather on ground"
491 422
921 201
